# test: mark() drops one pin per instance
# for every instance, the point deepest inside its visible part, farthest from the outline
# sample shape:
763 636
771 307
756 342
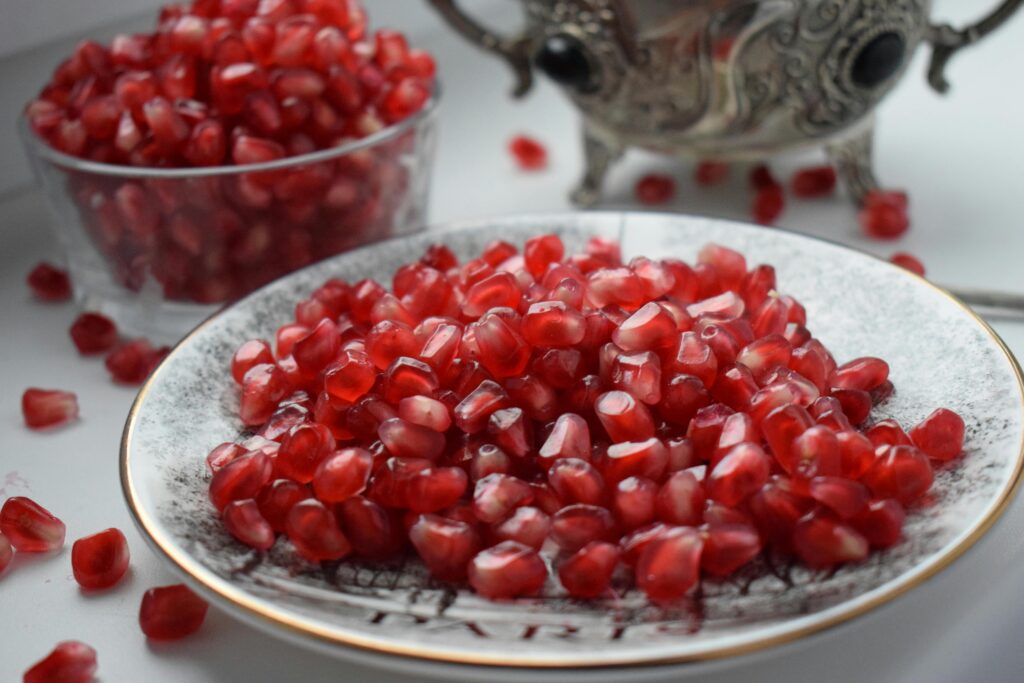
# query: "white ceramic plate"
940 355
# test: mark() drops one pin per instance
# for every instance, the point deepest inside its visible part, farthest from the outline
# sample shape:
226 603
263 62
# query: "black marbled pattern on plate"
857 305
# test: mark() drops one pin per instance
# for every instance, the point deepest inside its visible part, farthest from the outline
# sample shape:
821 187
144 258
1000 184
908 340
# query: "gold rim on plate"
274 618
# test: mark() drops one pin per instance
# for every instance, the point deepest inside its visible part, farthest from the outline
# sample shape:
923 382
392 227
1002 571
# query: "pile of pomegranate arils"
236 82
649 419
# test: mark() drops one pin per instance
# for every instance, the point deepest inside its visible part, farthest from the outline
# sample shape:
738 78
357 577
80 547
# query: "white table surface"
959 159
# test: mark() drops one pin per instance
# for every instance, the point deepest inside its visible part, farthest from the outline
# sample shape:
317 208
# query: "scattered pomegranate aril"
653 189
709 173
29 527
902 473
769 201
171 612
44 408
93 333
507 570
884 214
69 662
908 262
817 181
101 560
940 435
49 283
821 541
528 153
131 362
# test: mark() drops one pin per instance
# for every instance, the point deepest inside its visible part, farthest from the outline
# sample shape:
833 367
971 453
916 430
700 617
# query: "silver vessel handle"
998 305
514 50
947 41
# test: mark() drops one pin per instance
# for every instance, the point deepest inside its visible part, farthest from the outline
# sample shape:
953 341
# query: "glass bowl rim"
39 148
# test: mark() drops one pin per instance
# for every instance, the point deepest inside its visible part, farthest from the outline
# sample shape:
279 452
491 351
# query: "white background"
957 156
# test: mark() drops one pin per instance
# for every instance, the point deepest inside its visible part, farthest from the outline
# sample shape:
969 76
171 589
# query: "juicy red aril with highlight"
171 612
654 422
528 153
29 527
69 662
101 560
42 408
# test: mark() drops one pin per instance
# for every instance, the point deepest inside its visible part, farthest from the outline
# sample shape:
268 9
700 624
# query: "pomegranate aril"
569 438
132 362
29 527
884 214
101 560
507 570
855 402
844 497
243 478
350 377
473 412
6 553
587 573
692 356
705 429
277 499
727 547
497 495
940 435
342 475
782 426
899 472
369 529
765 354
425 411
171 612
512 431
49 283
432 490
856 454
528 153
821 541
654 188
864 374
670 564
576 481
739 474
553 323
908 262
314 531
775 510
446 546
634 502
244 521
817 181
313 351
503 351
769 201
647 459
680 500
70 662
574 526
623 417
250 354
527 525
44 408
881 523
93 333
303 450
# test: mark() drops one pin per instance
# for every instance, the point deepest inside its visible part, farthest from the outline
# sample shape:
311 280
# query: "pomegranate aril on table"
528 153
93 333
70 662
171 612
49 283
234 83
43 408
29 527
653 189
547 409
101 560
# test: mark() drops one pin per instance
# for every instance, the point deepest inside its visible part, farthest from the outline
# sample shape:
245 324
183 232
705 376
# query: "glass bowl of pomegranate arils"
237 142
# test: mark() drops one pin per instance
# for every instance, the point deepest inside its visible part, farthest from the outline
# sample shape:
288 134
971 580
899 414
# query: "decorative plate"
940 353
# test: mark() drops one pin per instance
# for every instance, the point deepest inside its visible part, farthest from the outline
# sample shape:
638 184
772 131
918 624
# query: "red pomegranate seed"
761 177
49 283
739 474
527 525
884 214
507 570
856 454
303 450
775 510
93 333
587 573
670 564
639 374
277 499
250 354
446 546
899 472
342 475
822 541
244 521
494 291
425 411
574 526
864 374
489 459
314 531
243 478
654 188
171 612
709 173
350 377
694 357
634 502
940 435
132 362
69 662
908 262
705 429
497 495
408 440
369 529
769 201
813 453
432 490
29 527
727 547
844 497
473 412
101 560
817 181
512 431
569 438
552 323
881 523
623 417
43 408
528 153
647 459
887 433
313 351
680 500
576 481
856 404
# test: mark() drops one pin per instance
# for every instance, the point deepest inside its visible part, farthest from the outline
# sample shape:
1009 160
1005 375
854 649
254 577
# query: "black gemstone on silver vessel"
878 60
564 59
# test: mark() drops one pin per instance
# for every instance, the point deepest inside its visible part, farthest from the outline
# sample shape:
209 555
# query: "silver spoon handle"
999 305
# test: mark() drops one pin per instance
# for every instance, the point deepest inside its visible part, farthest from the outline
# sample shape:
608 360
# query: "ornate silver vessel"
725 79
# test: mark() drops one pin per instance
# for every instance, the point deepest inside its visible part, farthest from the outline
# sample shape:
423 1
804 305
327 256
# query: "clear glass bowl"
159 250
